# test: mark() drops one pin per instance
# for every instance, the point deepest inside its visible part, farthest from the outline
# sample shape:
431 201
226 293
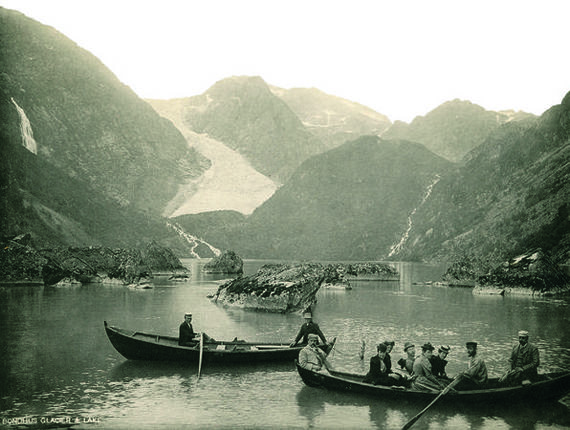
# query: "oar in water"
201 352
424 410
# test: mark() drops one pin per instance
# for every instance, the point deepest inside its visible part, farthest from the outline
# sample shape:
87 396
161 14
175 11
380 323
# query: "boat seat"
221 347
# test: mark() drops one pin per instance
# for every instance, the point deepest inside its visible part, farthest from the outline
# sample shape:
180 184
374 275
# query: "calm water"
57 362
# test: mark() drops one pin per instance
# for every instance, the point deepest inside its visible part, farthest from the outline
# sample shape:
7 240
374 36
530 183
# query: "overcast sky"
401 58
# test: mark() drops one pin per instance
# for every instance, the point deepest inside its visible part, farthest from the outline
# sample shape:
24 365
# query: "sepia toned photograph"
258 214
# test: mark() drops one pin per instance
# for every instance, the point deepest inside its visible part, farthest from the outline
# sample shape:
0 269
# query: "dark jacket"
438 366
307 329
527 358
388 363
186 335
376 375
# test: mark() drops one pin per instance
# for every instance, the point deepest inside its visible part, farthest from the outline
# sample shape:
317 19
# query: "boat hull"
553 387
145 346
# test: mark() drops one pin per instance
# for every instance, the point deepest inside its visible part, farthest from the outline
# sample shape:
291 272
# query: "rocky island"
228 262
280 287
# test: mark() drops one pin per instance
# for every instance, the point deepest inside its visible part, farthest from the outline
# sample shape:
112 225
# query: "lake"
58 367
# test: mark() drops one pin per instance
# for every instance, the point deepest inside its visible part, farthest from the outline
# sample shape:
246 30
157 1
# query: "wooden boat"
135 345
551 386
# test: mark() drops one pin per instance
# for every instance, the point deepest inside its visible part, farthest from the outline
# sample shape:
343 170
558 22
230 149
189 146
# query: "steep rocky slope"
453 129
512 195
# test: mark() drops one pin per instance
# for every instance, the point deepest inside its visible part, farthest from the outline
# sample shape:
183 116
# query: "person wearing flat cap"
425 380
407 363
475 377
523 362
312 357
438 363
308 327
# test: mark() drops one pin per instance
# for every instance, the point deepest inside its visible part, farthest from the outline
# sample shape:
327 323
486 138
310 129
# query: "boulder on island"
228 262
274 288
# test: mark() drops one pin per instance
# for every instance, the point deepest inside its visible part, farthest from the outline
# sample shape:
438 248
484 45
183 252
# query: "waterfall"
193 240
398 247
26 130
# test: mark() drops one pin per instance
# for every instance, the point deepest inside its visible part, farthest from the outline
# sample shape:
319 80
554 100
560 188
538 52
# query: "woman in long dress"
425 380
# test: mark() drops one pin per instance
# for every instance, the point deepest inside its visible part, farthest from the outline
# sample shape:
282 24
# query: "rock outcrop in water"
228 262
274 288
20 262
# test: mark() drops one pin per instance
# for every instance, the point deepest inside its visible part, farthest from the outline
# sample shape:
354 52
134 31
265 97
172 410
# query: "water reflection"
56 358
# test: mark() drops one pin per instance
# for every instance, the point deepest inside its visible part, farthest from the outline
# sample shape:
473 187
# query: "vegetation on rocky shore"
533 272
21 261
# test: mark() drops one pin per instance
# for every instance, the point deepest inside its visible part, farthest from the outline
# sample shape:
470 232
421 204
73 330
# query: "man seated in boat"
186 335
308 327
312 357
424 379
523 362
475 377
407 363
380 373
438 363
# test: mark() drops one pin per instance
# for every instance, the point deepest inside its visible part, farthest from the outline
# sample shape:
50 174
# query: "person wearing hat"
308 327
475 377
379 373
407 363
523 362
186 334
425 380
438 363
311 356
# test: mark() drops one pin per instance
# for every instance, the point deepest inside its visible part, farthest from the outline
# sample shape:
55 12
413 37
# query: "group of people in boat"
425 372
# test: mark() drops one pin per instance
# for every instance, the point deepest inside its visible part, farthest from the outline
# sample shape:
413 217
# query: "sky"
400 58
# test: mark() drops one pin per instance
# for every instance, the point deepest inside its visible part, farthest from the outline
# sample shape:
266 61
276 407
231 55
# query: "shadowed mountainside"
512 195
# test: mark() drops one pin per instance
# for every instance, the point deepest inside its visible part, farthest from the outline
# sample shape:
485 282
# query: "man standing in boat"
308 327
523 362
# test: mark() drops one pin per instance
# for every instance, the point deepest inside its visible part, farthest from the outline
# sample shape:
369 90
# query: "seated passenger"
379 373
312 357
475 377
438 363
523 362
186 334
425 380
407 363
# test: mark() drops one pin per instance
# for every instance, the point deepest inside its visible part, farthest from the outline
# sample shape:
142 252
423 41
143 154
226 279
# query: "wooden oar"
424 410
201 351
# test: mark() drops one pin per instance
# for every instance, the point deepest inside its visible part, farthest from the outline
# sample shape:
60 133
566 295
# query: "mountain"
83 159
85 121
454 128
246 116
230 183
351 202
511 195
332 119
